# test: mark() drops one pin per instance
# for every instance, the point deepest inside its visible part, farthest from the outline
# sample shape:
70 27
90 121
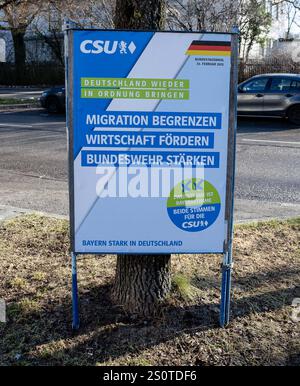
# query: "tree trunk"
142 282
140 14
20 53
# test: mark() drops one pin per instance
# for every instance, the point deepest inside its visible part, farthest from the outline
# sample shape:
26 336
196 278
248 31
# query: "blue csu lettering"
194 224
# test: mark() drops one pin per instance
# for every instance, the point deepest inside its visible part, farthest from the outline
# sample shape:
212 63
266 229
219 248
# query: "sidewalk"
18 92
18 106
255 210
245 211
8 212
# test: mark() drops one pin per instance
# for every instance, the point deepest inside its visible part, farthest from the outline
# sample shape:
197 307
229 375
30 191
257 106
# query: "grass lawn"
14 101
35 281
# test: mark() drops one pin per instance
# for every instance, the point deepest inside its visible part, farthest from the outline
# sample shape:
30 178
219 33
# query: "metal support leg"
226 289
75 321
232 127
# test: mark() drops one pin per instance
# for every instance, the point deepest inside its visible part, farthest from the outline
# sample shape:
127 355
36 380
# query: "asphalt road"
33 165
268 160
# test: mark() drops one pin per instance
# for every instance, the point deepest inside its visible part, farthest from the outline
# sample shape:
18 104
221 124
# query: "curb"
9 212
264 219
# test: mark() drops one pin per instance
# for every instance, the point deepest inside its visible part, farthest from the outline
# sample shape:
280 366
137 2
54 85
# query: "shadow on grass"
249 281
107 333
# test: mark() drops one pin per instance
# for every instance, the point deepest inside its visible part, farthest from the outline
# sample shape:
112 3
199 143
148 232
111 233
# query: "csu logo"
190 185
107 47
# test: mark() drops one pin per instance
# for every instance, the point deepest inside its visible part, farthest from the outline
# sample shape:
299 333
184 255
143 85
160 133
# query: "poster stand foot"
75 313
226 289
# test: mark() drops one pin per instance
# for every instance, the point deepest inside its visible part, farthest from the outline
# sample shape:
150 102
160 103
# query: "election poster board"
149 123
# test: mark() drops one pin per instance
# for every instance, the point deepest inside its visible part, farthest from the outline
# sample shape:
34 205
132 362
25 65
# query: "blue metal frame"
227 257
75 312
68 24
226 289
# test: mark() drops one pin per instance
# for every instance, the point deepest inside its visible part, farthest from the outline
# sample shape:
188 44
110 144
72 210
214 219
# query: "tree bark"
140 14
54 41
142 282
20 53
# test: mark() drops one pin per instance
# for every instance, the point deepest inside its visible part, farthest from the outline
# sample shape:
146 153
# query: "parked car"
53 99
271 95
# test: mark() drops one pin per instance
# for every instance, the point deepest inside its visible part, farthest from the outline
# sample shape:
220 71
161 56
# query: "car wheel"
52 105
293 115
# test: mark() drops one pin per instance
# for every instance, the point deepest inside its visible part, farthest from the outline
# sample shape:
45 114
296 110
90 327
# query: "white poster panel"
150 113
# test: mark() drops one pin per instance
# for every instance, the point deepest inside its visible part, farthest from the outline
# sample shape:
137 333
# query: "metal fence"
52 73
266 66
34 73
44 61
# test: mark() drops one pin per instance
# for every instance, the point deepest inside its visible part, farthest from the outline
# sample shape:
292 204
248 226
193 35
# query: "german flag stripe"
210 43
208 53
209 48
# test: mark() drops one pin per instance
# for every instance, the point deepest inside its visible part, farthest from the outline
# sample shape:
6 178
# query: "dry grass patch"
35 281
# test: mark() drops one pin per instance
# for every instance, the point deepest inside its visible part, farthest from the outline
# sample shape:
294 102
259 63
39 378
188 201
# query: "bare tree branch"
5 3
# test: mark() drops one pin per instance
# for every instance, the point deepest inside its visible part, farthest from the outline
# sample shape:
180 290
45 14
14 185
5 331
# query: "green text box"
156 83
134 94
